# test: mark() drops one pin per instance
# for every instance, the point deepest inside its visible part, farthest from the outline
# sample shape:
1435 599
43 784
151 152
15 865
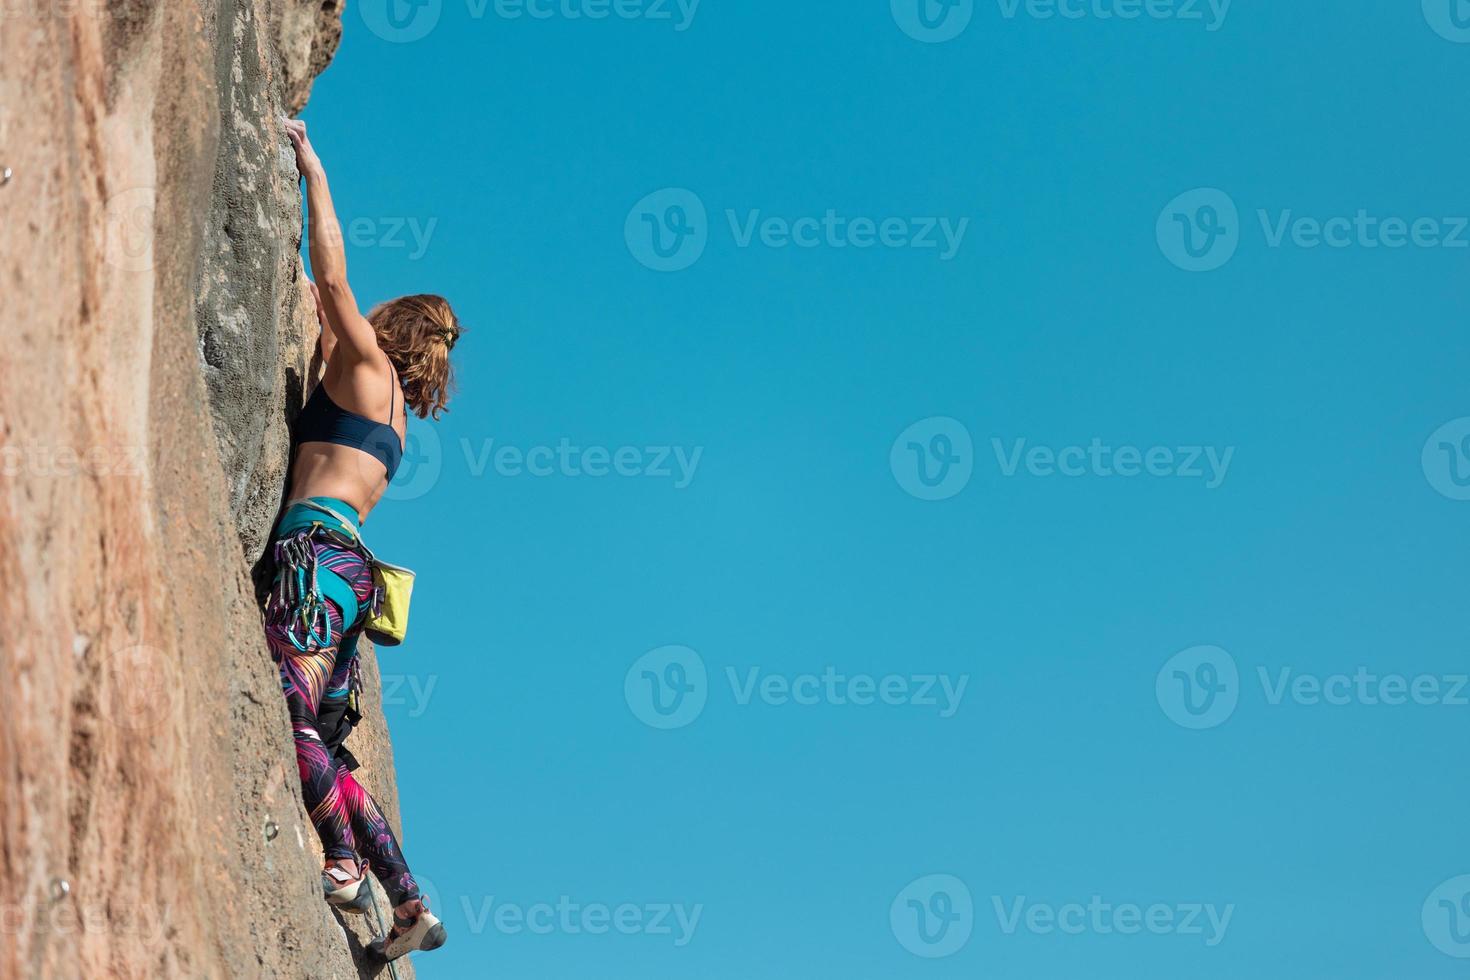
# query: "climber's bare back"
322 469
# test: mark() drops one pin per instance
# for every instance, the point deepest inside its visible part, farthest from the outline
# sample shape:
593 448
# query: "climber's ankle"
348 865
409 910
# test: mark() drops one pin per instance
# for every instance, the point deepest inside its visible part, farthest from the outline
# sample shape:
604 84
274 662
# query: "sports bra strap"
393 394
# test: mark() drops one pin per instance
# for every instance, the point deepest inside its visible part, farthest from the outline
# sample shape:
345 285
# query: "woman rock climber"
347 443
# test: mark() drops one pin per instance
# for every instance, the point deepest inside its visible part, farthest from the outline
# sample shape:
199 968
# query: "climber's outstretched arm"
326 340
352 335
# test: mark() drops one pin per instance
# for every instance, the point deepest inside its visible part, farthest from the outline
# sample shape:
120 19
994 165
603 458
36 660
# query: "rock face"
155 336
250 276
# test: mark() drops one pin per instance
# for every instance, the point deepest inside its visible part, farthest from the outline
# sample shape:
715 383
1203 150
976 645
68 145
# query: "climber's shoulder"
358 377
356 339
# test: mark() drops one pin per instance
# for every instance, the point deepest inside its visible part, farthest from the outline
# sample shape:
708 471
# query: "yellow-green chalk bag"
387 624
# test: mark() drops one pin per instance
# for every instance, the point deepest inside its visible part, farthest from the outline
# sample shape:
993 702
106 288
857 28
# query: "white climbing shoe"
345 890
408 935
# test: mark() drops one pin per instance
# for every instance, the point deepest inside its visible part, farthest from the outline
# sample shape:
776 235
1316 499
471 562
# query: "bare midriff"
323 469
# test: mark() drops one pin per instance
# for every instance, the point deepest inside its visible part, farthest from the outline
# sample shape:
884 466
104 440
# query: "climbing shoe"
347 891
361 905
422 932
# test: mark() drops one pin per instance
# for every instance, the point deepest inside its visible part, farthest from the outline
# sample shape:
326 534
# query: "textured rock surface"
307 33
250 277
150 817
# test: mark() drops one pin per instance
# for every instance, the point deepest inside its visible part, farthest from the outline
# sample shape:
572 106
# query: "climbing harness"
386 622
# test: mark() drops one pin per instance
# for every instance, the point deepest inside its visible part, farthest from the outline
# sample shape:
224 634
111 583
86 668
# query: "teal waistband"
298 517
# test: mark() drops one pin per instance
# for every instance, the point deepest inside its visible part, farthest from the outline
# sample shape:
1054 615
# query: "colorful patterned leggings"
317 683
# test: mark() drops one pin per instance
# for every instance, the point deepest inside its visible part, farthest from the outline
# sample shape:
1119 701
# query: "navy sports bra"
323 420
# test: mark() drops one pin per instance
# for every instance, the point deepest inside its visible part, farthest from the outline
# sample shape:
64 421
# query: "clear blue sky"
802 536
